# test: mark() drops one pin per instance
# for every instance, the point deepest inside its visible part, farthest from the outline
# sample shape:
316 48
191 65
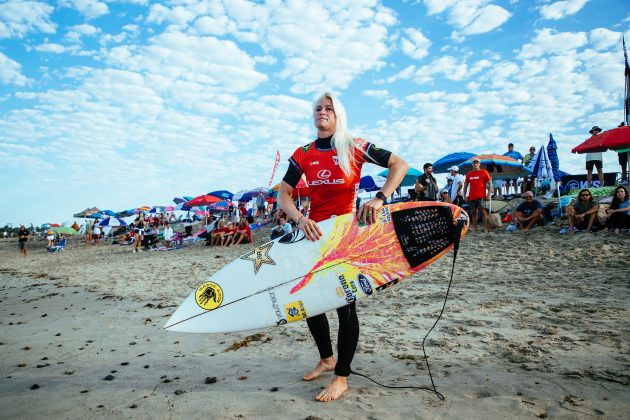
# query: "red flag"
275 168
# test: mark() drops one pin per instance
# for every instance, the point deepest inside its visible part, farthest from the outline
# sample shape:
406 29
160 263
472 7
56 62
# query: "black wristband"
381 196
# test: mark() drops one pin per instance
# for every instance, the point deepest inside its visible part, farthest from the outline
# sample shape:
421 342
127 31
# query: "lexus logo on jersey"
323 174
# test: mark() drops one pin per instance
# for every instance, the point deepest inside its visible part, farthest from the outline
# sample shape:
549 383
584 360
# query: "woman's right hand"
310 228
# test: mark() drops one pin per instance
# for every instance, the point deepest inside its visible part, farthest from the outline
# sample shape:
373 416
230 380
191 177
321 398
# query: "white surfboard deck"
292 278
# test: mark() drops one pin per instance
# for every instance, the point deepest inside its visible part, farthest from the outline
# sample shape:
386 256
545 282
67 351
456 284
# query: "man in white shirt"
457 186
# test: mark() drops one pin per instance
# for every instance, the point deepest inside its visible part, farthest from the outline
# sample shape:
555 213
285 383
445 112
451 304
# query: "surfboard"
495 205
291 278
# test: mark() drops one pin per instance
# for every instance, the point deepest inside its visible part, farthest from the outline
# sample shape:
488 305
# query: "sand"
536 325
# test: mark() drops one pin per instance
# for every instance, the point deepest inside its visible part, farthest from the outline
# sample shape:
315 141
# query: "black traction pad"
424 232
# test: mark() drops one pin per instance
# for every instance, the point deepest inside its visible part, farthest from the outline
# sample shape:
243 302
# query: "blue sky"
123 103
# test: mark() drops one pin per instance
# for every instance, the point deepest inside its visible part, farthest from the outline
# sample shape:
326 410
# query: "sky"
124 103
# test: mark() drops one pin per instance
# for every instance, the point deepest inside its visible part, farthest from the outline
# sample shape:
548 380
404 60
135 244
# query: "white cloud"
178 16
17 18
561 9
379 94
91 9
76 32
51 48
414 43
548 42
10 73
469 17
180 57
603 39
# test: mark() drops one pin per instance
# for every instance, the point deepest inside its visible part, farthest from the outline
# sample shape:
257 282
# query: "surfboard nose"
187 310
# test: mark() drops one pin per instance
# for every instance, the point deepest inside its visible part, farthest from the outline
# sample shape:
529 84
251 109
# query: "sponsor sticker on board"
209 296
295 311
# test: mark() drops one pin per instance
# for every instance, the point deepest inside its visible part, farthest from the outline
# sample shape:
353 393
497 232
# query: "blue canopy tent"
371 183
441 165
409 179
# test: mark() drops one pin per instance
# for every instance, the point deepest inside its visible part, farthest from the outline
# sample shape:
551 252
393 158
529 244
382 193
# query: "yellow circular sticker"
209 296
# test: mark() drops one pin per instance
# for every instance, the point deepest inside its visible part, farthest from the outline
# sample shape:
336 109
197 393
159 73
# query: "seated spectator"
282 229
150 237
583 214
217 234
444 197
228 236
243 233
529 212
619 210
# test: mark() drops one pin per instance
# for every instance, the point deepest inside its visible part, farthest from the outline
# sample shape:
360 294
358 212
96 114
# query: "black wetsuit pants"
347 338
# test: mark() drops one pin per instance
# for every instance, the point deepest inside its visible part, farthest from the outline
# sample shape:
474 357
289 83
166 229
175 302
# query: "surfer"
332 166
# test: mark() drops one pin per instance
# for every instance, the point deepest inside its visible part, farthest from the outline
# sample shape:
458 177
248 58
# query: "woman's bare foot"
324 365
334 390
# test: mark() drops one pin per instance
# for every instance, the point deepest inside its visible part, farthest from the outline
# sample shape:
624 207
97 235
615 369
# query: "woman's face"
621 194
324 116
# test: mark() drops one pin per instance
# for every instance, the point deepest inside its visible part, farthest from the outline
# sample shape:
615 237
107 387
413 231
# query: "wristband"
298 221
381 196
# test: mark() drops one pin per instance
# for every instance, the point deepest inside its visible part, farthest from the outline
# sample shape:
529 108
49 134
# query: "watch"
381 196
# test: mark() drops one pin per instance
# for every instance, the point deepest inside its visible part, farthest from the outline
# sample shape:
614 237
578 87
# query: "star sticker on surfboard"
260 256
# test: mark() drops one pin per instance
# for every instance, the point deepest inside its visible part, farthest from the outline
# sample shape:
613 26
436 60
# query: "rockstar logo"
260 256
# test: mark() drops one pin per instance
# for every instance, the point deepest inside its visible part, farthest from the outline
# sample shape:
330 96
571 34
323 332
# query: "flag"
626 101
275 167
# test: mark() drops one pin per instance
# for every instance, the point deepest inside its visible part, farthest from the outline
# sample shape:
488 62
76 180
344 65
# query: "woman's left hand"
367 212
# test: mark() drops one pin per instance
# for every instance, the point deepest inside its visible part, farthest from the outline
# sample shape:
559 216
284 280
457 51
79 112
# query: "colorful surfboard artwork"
292 278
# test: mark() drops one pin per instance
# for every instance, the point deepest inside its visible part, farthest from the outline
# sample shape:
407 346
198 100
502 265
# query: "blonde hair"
341 140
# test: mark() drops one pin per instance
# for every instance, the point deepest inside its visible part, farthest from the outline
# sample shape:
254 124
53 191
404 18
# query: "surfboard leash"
458 231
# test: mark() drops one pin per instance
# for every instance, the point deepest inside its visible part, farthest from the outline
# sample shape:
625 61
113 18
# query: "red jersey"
476 181
332 192
247 231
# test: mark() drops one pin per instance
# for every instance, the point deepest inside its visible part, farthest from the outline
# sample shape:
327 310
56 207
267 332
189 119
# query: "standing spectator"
426 185
583 214
260 204
457 187
50 236
138 232
88 233
528 181
96 232
480 184
594 159
519 158
168 234
529 212
619 210
23 235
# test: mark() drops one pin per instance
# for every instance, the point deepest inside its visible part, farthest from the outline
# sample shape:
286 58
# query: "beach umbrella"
441 165
301 189
410 177
108 213
178 200
182 207
552 152
371 183
113 222
188 197
247 195
46 225
85 213
222 194
65 230
126 213
169 208
540 165
203 200
95 216
615 139
507 168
